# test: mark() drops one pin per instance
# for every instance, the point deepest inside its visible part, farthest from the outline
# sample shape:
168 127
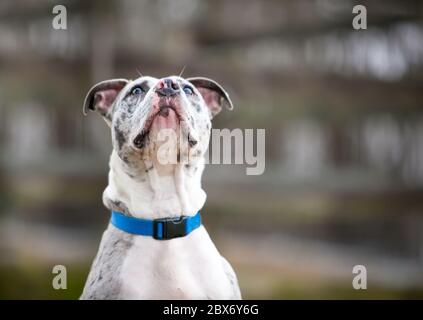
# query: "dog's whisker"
139 72
182 71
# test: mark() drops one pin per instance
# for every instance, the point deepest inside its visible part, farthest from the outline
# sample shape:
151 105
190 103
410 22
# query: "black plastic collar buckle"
169 228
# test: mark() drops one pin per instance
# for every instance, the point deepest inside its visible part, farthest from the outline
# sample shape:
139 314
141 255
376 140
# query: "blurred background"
343 115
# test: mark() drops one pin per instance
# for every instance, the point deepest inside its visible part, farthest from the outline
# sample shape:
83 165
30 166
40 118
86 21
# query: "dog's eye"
188 90
137 90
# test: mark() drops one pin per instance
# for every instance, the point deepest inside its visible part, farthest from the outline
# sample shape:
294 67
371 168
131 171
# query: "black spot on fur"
120 138
131 175
123 116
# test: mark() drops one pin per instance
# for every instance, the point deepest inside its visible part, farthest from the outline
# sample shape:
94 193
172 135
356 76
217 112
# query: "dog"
155 246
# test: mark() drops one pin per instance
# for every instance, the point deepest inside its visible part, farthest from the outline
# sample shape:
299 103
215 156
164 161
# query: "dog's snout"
167 88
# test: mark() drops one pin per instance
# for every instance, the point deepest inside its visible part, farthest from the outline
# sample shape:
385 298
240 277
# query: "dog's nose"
167 88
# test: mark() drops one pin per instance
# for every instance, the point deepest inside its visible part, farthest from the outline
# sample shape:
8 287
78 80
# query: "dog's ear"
213 94
101 96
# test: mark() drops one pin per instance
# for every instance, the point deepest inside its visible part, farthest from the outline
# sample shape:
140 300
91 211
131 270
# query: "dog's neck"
154 191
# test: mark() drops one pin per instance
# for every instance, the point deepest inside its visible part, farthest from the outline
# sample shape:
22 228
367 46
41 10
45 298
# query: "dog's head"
148 112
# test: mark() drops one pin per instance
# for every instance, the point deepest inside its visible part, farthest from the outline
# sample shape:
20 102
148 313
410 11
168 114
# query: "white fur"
161 195
183 268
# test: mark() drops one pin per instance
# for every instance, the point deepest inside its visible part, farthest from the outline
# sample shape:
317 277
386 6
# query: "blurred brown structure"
343 116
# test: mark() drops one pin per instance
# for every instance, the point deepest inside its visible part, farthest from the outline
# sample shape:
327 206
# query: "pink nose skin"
160 84
166 83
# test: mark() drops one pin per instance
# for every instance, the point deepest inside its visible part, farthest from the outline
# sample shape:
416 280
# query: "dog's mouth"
164 116
164 111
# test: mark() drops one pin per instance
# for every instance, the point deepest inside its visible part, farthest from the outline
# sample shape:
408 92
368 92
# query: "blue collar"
160 229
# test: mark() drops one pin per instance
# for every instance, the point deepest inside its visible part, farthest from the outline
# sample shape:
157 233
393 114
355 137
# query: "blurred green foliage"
34 281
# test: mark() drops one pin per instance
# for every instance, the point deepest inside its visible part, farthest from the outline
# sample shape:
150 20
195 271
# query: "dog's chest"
183 268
